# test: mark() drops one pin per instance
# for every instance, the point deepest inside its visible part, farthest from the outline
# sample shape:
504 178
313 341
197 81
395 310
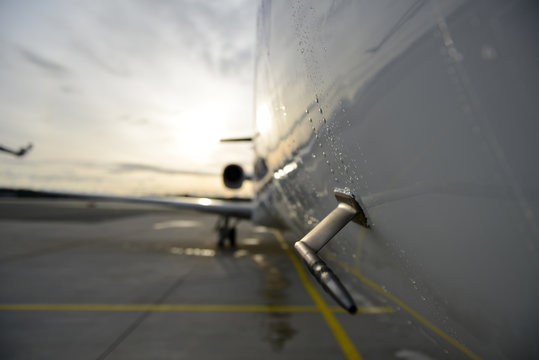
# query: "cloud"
130 84
236 62
99 58
220 33
137 121
43 63
133 167
67 89
121 37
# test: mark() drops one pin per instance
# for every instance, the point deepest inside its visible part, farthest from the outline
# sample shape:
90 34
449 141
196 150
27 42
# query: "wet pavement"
116 281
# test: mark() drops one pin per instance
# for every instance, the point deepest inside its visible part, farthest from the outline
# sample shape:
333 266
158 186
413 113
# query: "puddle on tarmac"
192 251
251 241
176 224
276 325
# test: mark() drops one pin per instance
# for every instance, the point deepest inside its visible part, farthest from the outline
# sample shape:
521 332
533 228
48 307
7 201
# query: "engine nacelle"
233 176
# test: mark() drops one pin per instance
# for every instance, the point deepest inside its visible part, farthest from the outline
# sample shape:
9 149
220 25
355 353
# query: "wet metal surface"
113 281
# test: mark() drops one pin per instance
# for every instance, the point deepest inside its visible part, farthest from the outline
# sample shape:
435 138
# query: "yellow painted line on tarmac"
340 334
420 318
180 307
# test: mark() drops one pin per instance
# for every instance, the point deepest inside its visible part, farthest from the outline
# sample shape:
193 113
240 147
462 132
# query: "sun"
198 131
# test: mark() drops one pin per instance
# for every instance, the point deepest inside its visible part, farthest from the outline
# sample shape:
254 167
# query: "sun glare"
263 118
200 130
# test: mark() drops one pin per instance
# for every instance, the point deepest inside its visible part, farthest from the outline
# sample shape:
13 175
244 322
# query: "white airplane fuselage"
428 112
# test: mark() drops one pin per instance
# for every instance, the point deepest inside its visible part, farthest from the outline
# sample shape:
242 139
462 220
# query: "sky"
125 96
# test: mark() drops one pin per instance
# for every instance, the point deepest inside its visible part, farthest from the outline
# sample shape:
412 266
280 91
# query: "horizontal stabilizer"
242 139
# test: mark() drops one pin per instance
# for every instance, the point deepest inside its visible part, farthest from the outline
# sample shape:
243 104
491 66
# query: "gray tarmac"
87 280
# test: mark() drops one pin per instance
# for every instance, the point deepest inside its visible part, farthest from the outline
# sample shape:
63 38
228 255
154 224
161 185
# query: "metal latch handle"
348 209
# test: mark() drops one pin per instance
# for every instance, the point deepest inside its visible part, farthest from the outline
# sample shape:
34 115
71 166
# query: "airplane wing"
241 209
230 210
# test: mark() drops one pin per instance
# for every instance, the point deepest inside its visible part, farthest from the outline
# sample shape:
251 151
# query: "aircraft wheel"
221 237
232 237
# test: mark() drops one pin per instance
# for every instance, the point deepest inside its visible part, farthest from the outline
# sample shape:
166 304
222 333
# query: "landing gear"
226 230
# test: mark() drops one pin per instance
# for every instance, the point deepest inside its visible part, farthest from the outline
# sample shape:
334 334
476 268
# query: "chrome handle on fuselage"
348 209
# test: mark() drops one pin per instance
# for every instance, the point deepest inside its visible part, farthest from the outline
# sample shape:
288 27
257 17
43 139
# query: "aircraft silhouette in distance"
21 152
